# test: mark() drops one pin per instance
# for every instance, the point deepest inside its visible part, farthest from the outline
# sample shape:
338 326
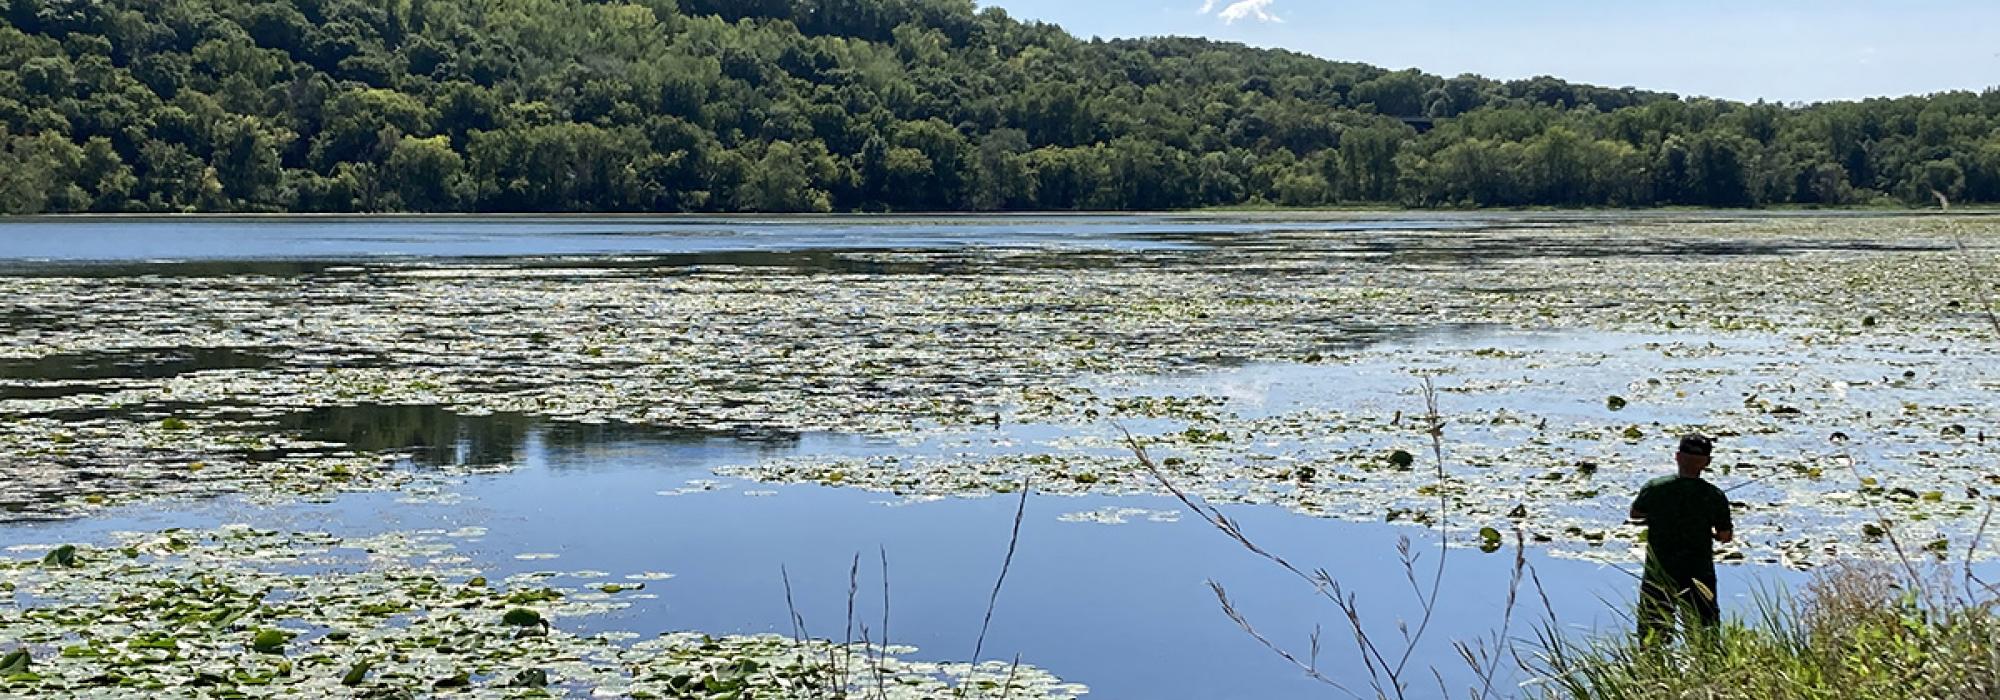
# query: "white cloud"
1259 10
1207 6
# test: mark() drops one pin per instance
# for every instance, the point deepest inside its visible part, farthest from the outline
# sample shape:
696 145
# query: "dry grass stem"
1981 294
1387 678
883 655
1006 564
1309 667
846 671
1881 516
1007 687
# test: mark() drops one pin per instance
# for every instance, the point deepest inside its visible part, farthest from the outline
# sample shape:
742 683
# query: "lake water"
1123 608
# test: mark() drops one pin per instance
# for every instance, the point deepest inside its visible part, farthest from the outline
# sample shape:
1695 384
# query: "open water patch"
1101 606
133 363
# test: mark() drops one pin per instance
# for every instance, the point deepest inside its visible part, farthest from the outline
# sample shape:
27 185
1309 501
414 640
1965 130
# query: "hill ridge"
864 105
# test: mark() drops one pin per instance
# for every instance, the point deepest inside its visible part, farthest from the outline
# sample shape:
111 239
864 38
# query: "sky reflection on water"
1123 608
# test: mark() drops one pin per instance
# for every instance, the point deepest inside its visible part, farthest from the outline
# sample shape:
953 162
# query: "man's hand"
1636 516
1725 536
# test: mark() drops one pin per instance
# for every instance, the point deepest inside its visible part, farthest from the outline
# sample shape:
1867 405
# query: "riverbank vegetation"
1856 631
864 105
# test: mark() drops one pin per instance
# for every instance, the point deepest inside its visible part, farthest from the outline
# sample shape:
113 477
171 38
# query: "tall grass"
1857 630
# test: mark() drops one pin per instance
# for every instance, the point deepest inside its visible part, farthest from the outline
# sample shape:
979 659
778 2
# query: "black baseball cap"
1697 444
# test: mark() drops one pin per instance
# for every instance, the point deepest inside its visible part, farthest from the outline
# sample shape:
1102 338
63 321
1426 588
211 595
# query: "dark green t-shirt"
1682 515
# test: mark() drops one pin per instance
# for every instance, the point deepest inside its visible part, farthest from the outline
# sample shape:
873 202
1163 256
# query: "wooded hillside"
861 105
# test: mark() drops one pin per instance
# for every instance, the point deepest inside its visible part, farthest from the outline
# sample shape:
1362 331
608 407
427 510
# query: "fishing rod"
1836 438
1749 483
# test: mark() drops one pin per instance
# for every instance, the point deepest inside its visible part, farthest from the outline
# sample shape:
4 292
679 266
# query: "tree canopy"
862 105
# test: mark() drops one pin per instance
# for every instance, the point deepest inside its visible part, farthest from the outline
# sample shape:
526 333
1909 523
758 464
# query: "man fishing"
1684 516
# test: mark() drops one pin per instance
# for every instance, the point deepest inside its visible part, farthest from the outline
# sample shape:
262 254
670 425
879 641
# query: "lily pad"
64 556
15 663
357 674
521 617
1402 459
270 641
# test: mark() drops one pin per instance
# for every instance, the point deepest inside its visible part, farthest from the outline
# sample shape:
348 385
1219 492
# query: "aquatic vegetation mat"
1840 359
236 612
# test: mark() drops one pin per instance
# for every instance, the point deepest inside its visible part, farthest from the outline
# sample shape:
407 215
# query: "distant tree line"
862 105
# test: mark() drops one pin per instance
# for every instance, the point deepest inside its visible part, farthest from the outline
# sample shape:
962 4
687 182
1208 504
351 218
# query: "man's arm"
1725 528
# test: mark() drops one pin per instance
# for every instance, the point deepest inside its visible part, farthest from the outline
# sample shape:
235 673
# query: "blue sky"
1783 50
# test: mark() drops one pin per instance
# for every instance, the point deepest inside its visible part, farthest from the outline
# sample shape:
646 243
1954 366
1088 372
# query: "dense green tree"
561 167
1217 179
363 125
1398 94
174 180
1065 178
1304 187
1982 172
929 166
1936 177
104 175
1368 161
245 162
1001 179
425 175
1716 172
36 172
784 181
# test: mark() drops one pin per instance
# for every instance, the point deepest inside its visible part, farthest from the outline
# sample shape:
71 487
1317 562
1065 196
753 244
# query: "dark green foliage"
862 105
1402 459
531 678
270 641
521 617
357 674
63 557
15 663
